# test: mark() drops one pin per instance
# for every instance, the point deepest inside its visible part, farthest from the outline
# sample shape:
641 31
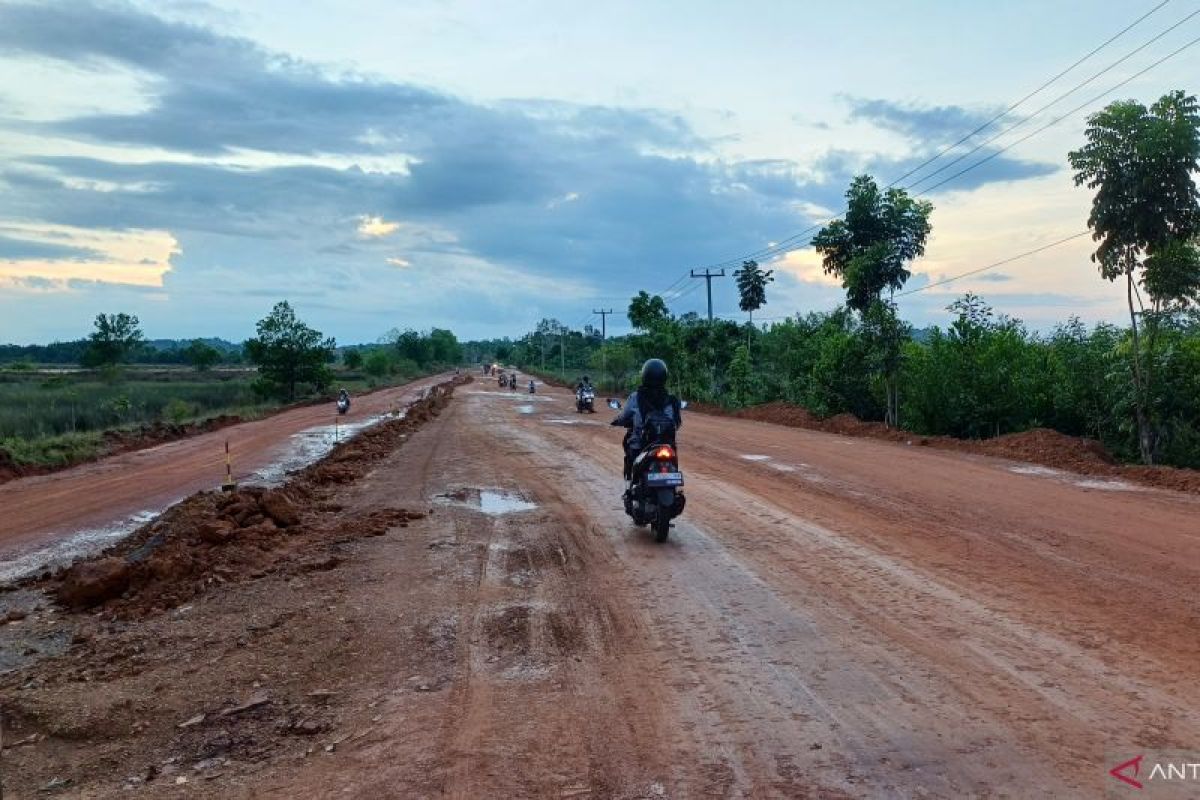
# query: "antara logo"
1161 769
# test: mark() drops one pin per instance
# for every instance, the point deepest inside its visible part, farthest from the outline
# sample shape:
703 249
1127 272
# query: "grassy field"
56 417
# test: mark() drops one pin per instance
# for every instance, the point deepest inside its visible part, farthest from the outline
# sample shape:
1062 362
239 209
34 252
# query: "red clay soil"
214 538
1037 446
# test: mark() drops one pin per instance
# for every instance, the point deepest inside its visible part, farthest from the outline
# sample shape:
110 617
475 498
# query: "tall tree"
1145 215
752 283
289 353
115 337
870 250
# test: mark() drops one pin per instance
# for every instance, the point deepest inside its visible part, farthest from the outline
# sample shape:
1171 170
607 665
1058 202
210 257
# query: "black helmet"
654 373
586 379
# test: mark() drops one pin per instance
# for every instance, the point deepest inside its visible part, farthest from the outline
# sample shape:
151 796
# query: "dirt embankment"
1038 446
215 538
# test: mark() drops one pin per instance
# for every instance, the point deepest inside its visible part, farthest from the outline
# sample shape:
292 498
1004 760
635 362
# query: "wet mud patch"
493 502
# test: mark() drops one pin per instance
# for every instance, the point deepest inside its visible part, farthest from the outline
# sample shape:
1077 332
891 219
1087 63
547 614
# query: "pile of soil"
214 538
1037 446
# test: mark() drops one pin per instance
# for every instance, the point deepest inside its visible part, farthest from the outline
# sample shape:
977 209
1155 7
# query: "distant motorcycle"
503 380
531 388
585 401
343 403
655 494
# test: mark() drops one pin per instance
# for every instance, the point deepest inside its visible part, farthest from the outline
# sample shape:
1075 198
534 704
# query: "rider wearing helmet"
649 403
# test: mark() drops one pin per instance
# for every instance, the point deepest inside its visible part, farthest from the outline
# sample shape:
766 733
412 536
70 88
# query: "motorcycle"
585 400
531 389
655 495
343 404
503 380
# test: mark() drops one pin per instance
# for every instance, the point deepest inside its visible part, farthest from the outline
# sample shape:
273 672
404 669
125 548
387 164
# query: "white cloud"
403 263
805 266
376 227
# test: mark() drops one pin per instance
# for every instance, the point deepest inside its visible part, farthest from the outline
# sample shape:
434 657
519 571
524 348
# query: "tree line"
1135 388
292 358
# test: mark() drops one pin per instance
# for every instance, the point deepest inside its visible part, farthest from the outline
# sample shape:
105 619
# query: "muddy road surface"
831 617
101 500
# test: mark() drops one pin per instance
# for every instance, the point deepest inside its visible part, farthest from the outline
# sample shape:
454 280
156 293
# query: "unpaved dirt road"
832 617
93 497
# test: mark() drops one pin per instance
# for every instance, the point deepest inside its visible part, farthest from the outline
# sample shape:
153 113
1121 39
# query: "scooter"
343 404
655 495
531 389
585 400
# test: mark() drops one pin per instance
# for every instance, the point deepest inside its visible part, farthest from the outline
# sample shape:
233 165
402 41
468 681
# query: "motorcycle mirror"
613 403
683 403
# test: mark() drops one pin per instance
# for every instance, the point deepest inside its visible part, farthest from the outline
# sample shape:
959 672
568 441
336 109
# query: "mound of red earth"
1038 446
214 537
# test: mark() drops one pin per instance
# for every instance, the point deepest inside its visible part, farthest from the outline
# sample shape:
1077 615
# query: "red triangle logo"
1119 771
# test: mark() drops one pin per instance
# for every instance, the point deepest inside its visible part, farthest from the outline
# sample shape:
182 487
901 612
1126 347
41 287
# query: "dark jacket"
633 416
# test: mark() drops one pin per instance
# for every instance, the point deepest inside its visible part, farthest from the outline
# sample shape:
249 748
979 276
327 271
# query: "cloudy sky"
480 165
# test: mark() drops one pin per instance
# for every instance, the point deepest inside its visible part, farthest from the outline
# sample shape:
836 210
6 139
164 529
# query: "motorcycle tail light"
664 453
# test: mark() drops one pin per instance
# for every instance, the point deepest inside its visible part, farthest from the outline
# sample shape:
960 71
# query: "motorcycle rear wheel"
662 525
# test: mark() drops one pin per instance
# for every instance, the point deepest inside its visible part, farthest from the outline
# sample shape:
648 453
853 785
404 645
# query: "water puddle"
521 395
570 421
752 457
525 409
311 445
1030 470
1108 486
489 501
72 548
782 467
1102 484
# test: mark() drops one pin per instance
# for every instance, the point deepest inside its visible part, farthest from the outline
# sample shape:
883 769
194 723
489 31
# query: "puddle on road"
310 445
570 421
1043 471
1108 486
525 409
753 457
489 501
74 547
523 395
782 467
1101 484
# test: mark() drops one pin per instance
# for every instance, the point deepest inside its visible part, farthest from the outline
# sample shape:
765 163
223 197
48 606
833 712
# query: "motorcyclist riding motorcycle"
650 411
343 401
585 396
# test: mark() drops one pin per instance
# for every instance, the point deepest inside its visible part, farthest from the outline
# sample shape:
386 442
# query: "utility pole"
603 338
562 352
708 276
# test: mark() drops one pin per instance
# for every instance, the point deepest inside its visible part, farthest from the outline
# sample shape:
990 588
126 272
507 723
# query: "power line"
995 264
1029 96
1059 119
781 245
1055 101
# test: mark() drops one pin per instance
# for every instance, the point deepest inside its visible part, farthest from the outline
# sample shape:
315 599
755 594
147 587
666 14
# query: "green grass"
55 451
58 418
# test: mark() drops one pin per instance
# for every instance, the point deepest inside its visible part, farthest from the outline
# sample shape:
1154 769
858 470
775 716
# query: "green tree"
1141 162
870 250
646 311
115 337
353 359
379 362
201 355
752 283
289 353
